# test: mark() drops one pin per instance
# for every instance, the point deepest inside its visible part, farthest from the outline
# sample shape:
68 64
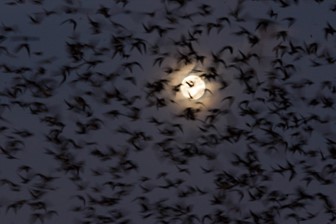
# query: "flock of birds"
94 128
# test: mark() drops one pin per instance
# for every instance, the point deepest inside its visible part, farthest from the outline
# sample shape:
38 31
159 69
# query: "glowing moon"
192 87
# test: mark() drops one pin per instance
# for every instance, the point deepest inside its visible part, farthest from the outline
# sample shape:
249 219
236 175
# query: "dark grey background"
51 36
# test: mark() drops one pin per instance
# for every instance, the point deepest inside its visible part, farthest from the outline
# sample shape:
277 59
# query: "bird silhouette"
91 112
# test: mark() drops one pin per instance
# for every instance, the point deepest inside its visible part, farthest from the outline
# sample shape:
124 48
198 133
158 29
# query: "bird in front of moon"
192 87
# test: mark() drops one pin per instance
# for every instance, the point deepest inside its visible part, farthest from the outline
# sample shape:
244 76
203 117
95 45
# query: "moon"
192 87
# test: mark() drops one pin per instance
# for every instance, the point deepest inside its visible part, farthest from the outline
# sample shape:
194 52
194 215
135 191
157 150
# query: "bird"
72 22
101 111
329 30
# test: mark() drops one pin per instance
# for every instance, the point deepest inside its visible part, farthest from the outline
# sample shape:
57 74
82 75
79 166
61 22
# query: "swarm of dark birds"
94 128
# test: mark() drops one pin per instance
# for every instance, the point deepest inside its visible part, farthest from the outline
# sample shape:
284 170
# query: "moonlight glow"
192 87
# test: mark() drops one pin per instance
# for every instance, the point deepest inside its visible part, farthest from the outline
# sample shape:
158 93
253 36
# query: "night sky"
94 128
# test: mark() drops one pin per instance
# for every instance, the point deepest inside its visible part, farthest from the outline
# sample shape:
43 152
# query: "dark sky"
92 131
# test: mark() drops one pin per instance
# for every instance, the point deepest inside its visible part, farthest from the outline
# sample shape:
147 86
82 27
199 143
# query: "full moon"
192 87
